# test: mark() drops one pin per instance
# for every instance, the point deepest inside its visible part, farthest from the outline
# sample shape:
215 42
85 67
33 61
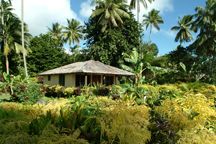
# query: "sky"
40 14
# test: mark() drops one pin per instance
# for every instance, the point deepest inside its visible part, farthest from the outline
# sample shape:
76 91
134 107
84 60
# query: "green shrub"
21 90
102 91
37 126
60 91
27 92
9 114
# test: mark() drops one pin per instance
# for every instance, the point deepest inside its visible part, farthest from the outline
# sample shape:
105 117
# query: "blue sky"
40 14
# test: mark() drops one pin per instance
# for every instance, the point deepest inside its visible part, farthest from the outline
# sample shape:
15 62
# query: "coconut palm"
183 28
10 32
135 4
73 31
110 13
6 15
56 33
153 19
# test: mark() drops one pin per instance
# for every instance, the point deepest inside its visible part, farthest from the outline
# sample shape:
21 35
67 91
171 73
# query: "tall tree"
24 52
5 13
45 54
108 47
205 25
110 13
183 29
10 32
153 19
56 32
204 47
135 4
73 31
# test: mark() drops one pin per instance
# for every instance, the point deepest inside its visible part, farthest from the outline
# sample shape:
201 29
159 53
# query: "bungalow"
83 73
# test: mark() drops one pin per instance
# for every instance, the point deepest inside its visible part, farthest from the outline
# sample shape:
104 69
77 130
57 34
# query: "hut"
83 73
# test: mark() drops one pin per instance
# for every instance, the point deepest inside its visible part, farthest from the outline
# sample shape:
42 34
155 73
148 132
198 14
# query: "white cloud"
169 33
161 5
40 14
86 8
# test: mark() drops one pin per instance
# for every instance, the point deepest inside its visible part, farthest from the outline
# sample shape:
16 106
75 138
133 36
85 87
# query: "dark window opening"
62 80
80 80
108 80
49 77
96 79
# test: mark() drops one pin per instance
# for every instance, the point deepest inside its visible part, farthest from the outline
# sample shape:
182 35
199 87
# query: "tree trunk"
7 64
150 33
3 57
138 10
23 44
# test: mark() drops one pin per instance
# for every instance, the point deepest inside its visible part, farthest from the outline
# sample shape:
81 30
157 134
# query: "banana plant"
135 65
8 83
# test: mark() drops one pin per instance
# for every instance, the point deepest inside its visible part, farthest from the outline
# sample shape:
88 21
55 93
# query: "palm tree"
204 23
56 33
110 13
153 19
10 32
183 28
5 14
73 31
135 4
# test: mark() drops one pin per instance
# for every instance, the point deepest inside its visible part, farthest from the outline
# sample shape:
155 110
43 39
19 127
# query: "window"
96 79
49 77
80 80
62 80
109 80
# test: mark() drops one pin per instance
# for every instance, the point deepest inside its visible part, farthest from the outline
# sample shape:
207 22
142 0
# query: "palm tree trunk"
138 10
2 46
150 33
7 64
23 45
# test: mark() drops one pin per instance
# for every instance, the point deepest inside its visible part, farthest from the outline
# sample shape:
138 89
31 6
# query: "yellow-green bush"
180 113
126 124
198 135
187 114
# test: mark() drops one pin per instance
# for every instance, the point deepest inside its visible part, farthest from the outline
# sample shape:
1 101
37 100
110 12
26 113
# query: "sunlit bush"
187 114
126 124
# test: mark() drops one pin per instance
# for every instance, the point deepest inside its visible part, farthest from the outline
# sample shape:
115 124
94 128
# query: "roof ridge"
90 66
86 63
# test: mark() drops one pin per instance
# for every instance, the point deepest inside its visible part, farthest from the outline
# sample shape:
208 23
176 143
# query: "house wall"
69 80
53 81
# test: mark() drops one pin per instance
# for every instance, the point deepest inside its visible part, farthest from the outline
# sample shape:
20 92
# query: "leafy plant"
7 84
37 126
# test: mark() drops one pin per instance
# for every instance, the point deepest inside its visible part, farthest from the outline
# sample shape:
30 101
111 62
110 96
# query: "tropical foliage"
152 20
135 4
145 108
183 28
10 33
110 13
108 47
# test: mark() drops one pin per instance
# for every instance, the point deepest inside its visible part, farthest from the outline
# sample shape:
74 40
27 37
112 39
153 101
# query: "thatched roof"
91 66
